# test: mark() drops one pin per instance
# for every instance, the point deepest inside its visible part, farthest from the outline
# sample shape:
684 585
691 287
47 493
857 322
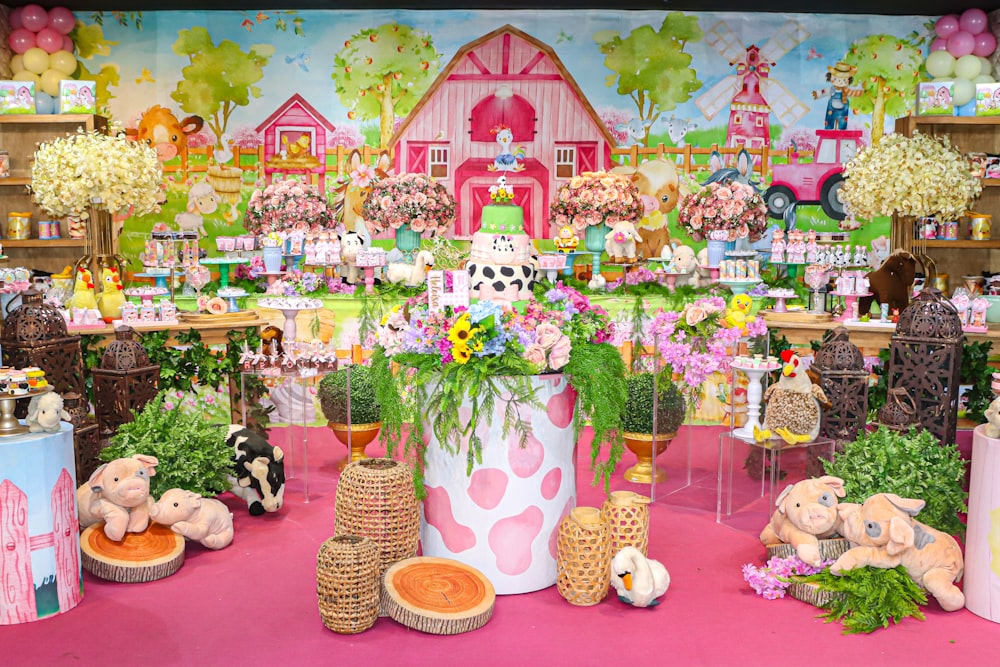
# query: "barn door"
416 158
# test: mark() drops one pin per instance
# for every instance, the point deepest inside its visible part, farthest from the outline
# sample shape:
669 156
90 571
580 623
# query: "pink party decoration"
551 483
438 513
939 44
525 461
49 40
34 17
510 540
973 21
68 44
21 40
986 44
488 487
961 44
14 18
946 26
61 20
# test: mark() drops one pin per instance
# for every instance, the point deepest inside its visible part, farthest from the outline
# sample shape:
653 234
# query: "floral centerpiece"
285 206
595 198
723 212
912 176
300 283
416 200
89 170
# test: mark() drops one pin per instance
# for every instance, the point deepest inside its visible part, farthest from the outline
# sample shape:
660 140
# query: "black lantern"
125 381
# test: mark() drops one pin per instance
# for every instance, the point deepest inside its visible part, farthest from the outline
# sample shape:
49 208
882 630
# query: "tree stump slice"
438 596
153 554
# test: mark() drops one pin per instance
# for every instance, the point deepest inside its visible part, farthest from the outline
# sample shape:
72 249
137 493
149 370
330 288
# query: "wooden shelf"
86 120
14 181
44 243
953 120
977 245
991 182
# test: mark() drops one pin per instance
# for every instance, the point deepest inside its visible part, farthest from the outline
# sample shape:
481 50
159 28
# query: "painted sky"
570 33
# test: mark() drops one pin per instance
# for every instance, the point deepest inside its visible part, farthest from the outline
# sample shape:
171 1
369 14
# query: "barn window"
760 121
503 109
438 162
565 161
738 118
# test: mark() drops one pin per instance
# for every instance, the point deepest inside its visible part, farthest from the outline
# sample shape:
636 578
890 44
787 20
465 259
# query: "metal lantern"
844 380
125 381
86 436
925 358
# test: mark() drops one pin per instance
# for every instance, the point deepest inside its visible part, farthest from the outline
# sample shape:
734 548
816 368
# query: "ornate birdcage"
86 436
125 381
844 380
35 334
925 358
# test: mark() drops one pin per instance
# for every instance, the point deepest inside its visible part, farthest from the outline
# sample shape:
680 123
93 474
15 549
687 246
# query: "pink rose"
694 314
559 356
546 334
535 355
418 225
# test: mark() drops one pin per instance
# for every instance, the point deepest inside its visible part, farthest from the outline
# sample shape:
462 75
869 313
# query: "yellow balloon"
17 63
50 82
63 61
36 60
25 75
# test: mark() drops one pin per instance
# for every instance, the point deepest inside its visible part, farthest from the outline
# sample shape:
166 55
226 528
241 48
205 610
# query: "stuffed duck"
793 409
638 580
738 314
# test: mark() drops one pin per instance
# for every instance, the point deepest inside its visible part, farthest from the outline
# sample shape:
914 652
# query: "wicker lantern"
35 334
925 358
844 380
86 436
125 381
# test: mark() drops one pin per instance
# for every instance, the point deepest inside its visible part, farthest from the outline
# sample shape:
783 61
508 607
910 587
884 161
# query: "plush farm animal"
793 404
46 413
685 262
118 494
805 513
204 520
620 242
350 244
660 189
639 581
112 298
886 535
259 470
566 239
83 291
993 419
890 283
738 314
411 275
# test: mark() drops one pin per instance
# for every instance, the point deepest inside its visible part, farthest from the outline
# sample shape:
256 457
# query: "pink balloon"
67 44
15 18
961 44
946 26
939 44
49 40
61 20
973 21
34 17
986 44
21 40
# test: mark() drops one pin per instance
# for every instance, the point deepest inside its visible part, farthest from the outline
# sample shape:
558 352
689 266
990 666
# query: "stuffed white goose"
638 580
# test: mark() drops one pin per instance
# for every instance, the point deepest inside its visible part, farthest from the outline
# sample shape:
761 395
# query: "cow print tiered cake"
500 267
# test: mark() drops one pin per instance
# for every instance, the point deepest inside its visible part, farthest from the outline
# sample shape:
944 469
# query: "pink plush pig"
118 494
206 520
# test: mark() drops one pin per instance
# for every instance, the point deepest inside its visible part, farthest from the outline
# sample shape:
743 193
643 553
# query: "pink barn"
295 141
505 77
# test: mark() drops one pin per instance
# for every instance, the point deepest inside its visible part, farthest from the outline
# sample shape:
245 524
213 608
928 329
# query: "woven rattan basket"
348 583
583 557
628 519
830 549
376 499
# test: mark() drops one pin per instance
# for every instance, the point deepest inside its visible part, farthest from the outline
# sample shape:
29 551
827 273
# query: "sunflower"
461 353
461 331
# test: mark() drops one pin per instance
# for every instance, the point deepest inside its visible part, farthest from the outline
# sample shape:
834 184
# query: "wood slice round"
439 596
152 554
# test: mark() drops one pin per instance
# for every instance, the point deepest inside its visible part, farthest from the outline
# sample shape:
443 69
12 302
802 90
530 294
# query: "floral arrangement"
723 212
912 176
596 197
301 283
285 206
502 193
772 580
413 199
484 354
89 169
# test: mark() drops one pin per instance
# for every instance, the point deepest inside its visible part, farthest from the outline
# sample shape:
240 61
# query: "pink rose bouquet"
285 206
723 211
413 199
593 198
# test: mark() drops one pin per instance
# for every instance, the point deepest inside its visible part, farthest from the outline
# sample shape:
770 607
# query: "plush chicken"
738 314
793 405
83 291
112 298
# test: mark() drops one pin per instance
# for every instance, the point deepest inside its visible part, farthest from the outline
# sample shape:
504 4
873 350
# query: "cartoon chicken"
793 407
83 291
566 240
507 160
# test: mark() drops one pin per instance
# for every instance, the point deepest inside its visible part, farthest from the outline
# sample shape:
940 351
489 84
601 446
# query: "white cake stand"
290 308
755 394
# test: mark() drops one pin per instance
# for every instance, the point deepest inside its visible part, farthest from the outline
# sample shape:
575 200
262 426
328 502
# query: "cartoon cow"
501 283
160 129
259 468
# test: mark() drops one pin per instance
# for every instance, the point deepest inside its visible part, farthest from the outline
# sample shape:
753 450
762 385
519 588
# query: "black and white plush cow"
259 469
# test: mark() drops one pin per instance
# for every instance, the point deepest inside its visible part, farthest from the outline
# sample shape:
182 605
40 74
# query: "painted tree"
651 67
218 79
888 72
90 42
383 72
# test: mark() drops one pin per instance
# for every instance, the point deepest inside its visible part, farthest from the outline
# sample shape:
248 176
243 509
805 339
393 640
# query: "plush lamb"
46 413
992 419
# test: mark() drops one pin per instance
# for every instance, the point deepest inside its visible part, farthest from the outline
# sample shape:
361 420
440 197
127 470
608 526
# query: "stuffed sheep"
45 413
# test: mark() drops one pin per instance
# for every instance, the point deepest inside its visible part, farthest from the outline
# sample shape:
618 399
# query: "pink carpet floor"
254 603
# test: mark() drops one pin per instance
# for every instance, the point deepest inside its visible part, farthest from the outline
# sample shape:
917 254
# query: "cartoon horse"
349 197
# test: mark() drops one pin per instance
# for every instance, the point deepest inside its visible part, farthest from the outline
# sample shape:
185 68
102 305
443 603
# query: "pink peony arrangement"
596 197
414 199
724 212
286 206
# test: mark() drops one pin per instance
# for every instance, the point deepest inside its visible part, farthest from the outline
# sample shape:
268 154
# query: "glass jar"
18 225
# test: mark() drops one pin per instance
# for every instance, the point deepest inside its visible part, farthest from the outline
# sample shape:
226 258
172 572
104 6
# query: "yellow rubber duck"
738 314
112 298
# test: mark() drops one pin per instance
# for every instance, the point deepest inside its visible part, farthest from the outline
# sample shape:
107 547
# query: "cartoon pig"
205 520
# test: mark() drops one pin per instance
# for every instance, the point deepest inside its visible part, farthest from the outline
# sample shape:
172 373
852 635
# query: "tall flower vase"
272 260
102 243
594 241
716 252
503 518
407 240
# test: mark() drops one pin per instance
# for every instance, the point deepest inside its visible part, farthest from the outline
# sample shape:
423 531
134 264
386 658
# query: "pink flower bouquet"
414 199
723 211
593 198
286 206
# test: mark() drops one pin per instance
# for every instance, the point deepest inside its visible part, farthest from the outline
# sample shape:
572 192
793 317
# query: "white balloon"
986 67
968 67
965 90
940 64
984 78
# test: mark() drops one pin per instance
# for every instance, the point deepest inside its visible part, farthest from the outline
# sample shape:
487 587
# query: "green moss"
365 407
638 415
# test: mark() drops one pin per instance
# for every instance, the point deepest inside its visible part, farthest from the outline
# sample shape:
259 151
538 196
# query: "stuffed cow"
259 470
806 512
204 520
118 494
887 535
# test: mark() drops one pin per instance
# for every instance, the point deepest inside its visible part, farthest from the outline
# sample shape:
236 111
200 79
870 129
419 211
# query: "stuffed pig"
206 520
806 512
886 535
118 494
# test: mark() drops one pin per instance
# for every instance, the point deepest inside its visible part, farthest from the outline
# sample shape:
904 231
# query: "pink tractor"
816 182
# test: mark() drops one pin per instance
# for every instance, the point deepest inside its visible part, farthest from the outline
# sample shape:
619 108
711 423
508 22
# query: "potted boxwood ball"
637 423
366 413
